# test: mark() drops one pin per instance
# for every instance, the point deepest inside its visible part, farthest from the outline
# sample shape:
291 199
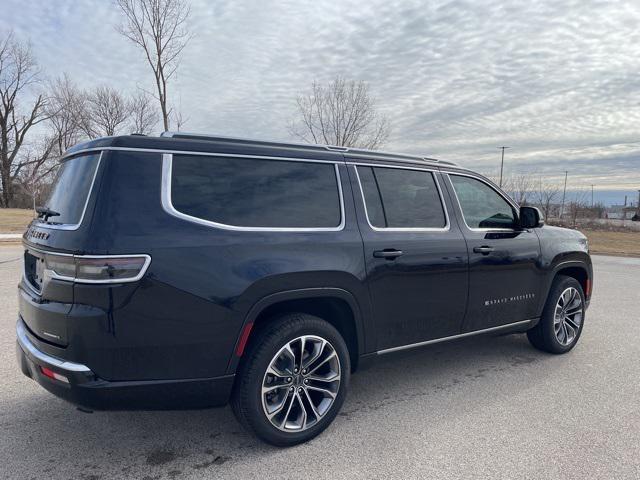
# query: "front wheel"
562 319
293 379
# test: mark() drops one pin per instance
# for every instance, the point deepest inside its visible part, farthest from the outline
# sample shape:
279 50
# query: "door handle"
484 250
389 254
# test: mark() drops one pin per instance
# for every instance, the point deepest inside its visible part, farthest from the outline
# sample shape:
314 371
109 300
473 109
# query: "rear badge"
37 234
51 335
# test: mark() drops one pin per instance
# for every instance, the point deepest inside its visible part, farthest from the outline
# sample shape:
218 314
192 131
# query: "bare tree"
67 112
179 119
158 28
108 112
342 113
520 187
67 118
39 168
577 205
18 73
143 115
545 195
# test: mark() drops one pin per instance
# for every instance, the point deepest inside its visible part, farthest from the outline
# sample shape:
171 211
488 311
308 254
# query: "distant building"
621 212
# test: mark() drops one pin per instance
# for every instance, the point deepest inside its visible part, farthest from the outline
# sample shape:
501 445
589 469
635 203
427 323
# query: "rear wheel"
562 318
293 379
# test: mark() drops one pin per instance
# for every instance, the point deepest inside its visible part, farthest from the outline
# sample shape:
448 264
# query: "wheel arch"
577 269
337 306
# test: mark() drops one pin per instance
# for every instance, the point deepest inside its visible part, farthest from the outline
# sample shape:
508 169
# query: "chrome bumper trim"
29 347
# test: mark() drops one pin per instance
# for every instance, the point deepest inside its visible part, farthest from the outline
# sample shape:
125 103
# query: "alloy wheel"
568 316
301 383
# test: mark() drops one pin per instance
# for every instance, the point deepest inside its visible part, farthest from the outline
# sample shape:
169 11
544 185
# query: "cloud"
556 81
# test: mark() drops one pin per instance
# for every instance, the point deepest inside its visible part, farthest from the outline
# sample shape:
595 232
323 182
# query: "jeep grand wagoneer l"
185 271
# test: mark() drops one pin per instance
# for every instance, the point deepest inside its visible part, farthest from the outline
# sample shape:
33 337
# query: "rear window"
401 198
249 192
71 188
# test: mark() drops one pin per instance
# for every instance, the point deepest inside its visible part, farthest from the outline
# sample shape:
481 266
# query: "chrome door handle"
484 250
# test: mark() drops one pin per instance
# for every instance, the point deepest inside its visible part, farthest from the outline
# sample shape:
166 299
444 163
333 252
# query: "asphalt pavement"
490 408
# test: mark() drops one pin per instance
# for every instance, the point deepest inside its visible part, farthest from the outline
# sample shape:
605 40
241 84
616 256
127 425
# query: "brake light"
47 372
96 268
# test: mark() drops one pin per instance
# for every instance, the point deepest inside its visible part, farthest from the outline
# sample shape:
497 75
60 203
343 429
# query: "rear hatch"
60 229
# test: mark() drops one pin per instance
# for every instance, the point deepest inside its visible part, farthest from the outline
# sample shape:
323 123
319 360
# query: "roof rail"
333 148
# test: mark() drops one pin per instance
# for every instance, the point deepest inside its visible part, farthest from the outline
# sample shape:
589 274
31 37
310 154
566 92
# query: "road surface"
481 408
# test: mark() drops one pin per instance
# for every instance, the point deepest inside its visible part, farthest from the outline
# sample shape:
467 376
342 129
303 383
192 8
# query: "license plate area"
34 270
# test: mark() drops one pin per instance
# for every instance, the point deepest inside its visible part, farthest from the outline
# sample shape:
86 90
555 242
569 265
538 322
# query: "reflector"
47 372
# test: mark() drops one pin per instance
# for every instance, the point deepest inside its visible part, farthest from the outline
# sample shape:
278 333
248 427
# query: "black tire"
246 399
543 335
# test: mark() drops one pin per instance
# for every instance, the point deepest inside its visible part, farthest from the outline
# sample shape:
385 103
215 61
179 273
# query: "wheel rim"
568 316
301 383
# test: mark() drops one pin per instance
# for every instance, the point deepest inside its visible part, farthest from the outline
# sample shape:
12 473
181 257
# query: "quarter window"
256 193
481 205
401 198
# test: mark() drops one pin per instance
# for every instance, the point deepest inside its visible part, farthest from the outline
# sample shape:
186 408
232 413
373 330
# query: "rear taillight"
96 268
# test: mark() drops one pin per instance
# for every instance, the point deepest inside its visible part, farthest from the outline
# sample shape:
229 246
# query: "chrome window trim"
476 177
167 205
75 226
447 226
427 168
27 345
54 275
206 154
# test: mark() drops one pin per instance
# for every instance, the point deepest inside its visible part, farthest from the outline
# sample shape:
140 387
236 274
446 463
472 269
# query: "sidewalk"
10 237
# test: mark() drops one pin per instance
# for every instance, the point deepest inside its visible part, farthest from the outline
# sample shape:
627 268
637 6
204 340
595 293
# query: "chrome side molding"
454 337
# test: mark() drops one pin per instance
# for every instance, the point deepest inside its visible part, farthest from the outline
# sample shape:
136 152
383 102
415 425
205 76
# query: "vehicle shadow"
107 444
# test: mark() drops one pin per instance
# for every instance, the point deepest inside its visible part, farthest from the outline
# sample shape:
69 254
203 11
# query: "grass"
14 220
613 243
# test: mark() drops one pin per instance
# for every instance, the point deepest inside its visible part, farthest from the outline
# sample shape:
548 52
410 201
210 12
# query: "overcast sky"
557 81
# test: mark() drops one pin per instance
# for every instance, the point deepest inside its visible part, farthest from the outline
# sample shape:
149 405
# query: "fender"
557 265
298 294
572 263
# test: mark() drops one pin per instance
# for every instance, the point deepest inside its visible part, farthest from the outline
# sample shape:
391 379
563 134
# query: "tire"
559 329
271 347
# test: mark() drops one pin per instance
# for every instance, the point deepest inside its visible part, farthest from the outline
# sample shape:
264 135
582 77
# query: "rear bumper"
82 387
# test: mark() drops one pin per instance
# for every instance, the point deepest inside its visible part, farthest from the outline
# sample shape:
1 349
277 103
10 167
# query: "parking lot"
480 408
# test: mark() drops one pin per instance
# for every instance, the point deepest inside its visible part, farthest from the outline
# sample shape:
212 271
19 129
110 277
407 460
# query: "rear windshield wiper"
46 212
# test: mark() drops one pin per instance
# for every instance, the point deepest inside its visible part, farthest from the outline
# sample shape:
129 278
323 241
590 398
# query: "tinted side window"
256 193
372 199
401 198
481 205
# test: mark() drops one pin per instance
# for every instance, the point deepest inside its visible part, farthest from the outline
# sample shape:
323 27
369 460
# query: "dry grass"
14 220
614 243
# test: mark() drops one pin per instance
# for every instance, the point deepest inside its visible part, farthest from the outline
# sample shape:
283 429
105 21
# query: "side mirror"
531 217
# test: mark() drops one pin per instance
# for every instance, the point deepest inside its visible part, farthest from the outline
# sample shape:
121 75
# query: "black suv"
184 271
